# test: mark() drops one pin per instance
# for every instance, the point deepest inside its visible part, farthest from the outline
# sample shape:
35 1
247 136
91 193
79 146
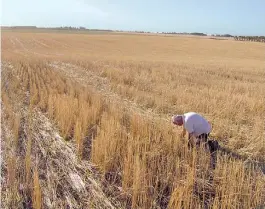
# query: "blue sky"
237 17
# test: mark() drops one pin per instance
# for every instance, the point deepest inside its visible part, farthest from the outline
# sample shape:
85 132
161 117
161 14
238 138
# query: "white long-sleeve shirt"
196 124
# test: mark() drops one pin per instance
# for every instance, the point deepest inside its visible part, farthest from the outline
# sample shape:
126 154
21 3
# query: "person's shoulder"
189 114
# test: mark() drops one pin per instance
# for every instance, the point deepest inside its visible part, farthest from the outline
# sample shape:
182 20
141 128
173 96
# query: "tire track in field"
40 43
62 44
102 85
23 50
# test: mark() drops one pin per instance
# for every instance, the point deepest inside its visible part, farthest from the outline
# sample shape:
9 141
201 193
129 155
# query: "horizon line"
119 30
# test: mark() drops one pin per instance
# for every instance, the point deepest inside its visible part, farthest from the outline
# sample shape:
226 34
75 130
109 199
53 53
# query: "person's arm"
192 139
190 130
183 134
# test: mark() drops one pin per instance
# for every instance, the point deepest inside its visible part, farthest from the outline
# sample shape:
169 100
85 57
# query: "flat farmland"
86 121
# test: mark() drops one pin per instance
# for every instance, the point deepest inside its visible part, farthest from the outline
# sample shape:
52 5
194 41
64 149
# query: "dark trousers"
204 139
212 145
201 139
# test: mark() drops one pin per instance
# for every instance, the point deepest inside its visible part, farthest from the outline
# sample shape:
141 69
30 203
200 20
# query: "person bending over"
196 125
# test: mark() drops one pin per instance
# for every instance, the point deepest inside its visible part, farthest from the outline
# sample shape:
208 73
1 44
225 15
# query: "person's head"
177 120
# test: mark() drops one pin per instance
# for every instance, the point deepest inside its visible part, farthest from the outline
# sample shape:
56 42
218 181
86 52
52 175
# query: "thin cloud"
96 11
86 7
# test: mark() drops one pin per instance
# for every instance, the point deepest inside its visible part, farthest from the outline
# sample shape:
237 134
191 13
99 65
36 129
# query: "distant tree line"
223 35
198 34
20 27
79 28
250 38
69 28
194 33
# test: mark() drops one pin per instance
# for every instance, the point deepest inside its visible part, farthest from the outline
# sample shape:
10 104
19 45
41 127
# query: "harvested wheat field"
86 121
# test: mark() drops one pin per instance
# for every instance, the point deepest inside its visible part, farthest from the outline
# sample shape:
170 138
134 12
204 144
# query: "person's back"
196 124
